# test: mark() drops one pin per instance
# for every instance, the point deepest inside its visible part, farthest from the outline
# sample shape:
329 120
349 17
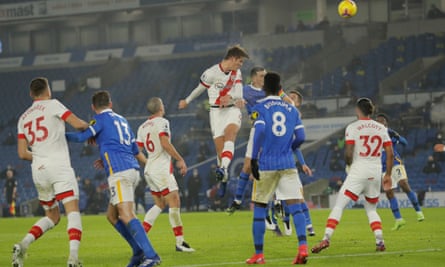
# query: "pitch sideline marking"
323 257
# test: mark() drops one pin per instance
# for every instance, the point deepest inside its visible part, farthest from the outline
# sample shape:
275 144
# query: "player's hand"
387 182
225 101
99 164
182 167
307 170
240 103
255 169
91 141
439 148
182 104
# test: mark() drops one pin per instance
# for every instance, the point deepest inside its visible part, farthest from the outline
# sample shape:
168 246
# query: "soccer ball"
347 9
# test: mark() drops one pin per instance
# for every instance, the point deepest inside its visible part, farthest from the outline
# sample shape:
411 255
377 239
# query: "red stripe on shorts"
64 195
161 193
351 195
372 200
47 203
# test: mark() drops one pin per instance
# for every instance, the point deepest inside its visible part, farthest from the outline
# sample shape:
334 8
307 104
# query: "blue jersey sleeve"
300 156
80 137
396 138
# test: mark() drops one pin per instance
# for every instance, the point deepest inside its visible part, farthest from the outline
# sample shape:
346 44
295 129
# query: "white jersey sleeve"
237 89
204 83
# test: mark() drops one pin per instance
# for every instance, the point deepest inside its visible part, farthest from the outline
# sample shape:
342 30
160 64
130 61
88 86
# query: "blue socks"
122 229
241 186
137 232
306 213
259 228
394 204
296 211
286 217
413 198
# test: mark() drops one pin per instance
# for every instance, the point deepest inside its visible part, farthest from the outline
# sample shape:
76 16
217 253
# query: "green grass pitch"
222 240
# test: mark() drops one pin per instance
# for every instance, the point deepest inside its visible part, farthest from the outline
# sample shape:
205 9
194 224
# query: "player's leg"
372 193
157 184
174 215
243 180
394 205
52 216
153 213
263 190
375 223
403 183
286 219
122 185
67 191
349 191
269 222
307 216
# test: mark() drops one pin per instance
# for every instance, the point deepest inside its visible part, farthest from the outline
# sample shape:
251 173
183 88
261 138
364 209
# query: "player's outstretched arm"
183 103
171 150
79 137
77 123
22 149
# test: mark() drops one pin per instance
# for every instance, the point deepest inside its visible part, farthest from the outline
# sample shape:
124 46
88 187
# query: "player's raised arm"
201 88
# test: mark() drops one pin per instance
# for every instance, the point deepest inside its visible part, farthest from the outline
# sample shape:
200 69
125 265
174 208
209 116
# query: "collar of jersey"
106 110
255 88
365 119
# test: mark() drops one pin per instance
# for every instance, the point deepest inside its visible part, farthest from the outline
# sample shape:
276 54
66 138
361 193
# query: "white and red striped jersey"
43 126
218 83
368 138
149 137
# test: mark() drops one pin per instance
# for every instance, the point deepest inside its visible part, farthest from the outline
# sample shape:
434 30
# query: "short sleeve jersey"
116 141
149 136
43 126
220 83
368 138
281 120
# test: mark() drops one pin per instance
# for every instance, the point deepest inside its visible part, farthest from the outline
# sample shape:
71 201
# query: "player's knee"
389 193
54 217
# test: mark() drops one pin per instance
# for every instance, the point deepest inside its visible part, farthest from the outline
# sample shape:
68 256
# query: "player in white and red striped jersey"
42 128
223 83
154 136
364 140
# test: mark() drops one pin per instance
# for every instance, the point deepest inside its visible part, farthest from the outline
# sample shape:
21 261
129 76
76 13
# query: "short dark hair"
365 105
101 99
383 115
255 70
294 91
272 83
236 51
38 86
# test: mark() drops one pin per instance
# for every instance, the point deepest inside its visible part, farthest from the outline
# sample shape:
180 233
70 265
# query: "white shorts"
122 185
362 180
54 183
161 184
220 118
249 147
285 184
398 173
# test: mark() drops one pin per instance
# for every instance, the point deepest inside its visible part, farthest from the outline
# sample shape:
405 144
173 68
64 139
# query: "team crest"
92 122
254 115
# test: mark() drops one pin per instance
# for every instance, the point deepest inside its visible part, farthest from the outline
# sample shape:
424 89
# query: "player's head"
382 118
235 57
39 87
272 83
101 100
364 107
296 96
155 106
257 76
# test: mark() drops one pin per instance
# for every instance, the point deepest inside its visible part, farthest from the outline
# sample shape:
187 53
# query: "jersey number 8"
279 126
